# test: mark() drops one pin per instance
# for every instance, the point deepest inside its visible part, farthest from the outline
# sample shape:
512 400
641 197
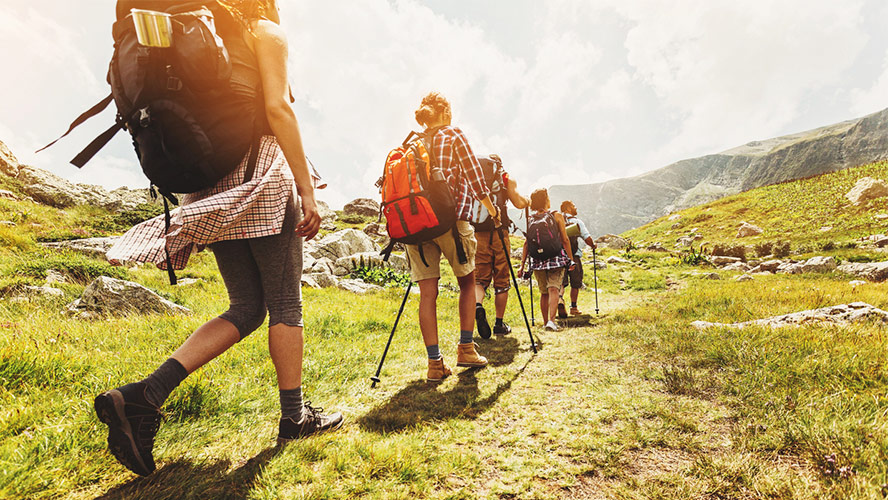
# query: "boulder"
769 266
358 286
93 247
712 276
379 233
362 206
873 271
819 265
324 279
54 276
747 229
743 277
309 282
724 260
113 296
322 265
9 164
790 268
8 195
737 266
612 241
882 243
328 216
342 244
867 189
613 259
840 315
50 189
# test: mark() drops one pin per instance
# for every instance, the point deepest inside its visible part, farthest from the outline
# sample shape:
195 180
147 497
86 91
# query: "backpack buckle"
144 118
174 84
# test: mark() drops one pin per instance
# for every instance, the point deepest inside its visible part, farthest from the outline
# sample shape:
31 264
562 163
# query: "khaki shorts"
575 277
549 278
446 246
490 262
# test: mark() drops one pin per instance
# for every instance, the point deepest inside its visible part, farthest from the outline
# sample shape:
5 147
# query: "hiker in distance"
255 232
574 277
548 247
491 262
454 156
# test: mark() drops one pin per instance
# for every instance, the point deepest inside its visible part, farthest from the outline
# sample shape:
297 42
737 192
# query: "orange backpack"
416 199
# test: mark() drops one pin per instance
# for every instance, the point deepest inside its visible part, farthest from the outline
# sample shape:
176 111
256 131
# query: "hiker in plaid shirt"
464 175
255 232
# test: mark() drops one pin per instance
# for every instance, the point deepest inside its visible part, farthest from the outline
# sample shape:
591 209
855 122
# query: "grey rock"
874 271
743 277
50 189
840 315
308 281
358 286
7 195
324 279
362 206
613 259
53 276
31 292
819 265
769 266
867 189
94 247
747 229
322 265
344 243
9 164
737 266
612 241
856 283
723 260
882 243
656 247
712 276
113 296
328 216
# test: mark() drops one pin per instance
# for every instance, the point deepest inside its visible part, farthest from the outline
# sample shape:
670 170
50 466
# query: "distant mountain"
622 204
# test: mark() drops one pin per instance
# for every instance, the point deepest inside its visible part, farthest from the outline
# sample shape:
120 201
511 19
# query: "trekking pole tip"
375 381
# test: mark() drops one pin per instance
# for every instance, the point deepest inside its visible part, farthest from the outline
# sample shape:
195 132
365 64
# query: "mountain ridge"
619 205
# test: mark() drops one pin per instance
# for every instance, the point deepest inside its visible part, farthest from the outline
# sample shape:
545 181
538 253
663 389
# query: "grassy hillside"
636 405
810 213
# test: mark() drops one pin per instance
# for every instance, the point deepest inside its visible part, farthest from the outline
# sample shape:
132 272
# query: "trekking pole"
499 231
529 281
375 378
595 274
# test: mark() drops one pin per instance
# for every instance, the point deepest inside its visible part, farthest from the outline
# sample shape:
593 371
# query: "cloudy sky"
566 91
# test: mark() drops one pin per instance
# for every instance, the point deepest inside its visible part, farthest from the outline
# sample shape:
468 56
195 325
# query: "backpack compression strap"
91 112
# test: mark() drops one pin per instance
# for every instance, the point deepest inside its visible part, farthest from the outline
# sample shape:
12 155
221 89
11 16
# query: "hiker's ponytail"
433 105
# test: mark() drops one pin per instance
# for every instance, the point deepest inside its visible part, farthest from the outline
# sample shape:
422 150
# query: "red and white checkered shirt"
461 168
230 210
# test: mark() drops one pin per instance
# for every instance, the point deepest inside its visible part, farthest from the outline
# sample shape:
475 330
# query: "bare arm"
589 241
271 52
517 200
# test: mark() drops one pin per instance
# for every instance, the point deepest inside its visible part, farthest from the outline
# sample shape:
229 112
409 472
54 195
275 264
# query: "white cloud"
875 97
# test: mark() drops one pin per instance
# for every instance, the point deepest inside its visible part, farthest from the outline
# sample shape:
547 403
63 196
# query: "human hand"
572 267
310 224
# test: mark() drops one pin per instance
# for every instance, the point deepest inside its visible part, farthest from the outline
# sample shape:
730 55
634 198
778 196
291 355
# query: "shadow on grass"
421 401
187 480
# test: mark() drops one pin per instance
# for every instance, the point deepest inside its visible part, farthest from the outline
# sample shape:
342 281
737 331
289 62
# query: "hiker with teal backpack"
548 247
576 231
226 135
492 256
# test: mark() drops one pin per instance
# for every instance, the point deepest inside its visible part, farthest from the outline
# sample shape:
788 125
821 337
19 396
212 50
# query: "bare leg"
428 310
574 295
467 302
286 345
479 294
501 300
553 305
210 340
544 307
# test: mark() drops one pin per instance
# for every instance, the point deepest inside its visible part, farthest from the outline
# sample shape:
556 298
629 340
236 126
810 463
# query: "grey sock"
291 404
466 337
434 351
162 382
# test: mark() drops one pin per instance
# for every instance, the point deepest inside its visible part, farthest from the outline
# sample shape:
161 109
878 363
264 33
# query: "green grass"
636 405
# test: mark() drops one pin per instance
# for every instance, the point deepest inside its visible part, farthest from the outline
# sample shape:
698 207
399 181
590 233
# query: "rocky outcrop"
342 244
113 296
874 271
867 189
622 204
9 164
8 195
362 206
612 241
747 229
50 189
93 247
841 315
328 216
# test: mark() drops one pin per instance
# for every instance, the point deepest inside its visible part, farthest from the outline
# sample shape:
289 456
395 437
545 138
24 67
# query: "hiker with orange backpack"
427 191
245 208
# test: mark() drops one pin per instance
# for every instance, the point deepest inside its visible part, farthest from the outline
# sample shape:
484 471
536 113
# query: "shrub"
383 276
738 251
764 248
691 257
781 249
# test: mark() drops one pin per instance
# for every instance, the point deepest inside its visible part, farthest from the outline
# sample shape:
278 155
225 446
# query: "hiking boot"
132 424
562 312
502 328
481 321
438 371
574 311
552 326
467 355
313 422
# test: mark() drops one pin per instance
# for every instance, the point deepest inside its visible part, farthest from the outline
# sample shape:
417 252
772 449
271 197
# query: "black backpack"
493 171
189 129
543 237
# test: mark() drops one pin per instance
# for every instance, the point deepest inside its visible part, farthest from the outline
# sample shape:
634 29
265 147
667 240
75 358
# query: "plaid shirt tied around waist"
230 210
461 168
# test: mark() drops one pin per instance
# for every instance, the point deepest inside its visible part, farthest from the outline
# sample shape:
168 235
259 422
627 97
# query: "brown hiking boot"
562 311
438 371
467 355
574 311
313 421
132 424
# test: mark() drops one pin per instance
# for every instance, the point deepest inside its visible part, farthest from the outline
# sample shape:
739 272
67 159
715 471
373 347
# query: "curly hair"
433 105
245 12
539 199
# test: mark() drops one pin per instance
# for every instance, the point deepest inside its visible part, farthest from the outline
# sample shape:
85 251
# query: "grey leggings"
263 274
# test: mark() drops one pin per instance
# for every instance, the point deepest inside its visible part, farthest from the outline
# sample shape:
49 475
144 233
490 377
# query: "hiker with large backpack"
548 247
577 231
427 193
236 142
492 255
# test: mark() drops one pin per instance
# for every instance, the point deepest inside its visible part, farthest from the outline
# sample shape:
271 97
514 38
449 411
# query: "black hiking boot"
501 328
132 424
313 422
481 321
